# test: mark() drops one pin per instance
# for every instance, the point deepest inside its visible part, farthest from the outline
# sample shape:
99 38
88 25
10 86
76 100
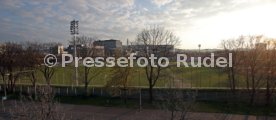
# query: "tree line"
253 64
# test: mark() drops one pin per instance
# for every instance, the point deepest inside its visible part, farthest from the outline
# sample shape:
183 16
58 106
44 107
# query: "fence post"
28 90
20 89
67 90
101 92
75 91
93 91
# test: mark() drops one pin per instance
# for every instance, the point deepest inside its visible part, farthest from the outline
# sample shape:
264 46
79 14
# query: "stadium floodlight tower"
74 29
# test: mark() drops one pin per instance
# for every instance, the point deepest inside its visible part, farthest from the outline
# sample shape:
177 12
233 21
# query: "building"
158 50
60 49
97 51
110 46
52 48
80 49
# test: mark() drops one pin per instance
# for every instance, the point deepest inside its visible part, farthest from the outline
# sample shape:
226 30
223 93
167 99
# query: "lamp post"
74 29
191 77
140 94
5 93
182 78
199 45
5 86
268 87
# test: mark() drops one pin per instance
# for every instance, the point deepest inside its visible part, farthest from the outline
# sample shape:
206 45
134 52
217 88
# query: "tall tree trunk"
86 89
48 80
247 80
268 95
4 85
34 83
11 83
150 94
86 82
252 98
253 91
125 95
233 80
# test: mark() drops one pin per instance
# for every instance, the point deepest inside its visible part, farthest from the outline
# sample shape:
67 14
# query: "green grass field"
182 77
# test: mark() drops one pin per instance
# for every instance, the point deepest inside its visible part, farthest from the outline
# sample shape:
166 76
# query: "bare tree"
18 61
160 42
33 59
48 73
88 50
43 108
120 79
254 62
3 69
270 69
178 102
233 46
248 61
12 64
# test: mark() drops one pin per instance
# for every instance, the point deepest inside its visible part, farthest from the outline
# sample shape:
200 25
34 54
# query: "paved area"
82 112
107 113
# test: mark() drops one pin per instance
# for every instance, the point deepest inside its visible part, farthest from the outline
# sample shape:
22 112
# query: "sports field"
179 77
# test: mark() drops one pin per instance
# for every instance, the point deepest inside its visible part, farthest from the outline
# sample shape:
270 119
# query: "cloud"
25 20
161 2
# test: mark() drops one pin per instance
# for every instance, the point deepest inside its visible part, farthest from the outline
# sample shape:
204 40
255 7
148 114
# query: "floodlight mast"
74 29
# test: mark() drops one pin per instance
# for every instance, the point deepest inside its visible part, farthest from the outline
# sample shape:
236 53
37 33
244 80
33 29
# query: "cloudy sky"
204 22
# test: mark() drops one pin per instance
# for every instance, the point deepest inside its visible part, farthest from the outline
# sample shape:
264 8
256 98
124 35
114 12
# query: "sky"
204 22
